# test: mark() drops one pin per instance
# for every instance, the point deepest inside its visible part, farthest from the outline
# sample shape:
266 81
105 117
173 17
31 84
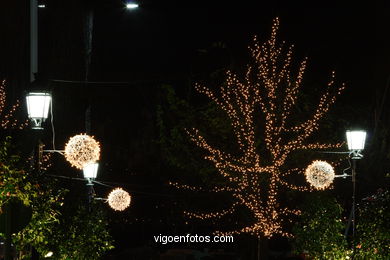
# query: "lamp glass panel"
90 170
38 105
356 140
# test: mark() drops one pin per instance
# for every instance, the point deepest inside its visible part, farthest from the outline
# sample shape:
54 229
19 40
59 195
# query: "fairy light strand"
270 86
8 120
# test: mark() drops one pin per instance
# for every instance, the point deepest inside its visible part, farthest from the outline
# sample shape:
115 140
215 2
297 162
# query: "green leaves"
19 184
12 177
373 228
319 232
75 235
81 235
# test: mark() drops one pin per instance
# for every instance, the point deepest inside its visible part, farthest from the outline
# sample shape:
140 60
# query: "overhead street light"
90 173
132 5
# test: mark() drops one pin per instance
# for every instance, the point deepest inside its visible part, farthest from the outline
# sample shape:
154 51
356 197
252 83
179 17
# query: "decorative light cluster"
82 150
45 163
254 183
119 199
319 174
7 119
192 188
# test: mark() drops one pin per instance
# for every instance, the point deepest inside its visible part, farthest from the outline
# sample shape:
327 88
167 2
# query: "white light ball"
119 199
82 150
319 174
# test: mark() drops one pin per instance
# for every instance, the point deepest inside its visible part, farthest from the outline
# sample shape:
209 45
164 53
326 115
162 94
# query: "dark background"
176 43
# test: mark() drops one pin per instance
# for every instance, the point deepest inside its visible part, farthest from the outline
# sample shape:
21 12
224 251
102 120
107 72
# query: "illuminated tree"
7 119
256 176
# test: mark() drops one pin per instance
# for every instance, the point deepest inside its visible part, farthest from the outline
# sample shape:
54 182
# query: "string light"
7 120
119 199
81 150
45 162
253 181
319 174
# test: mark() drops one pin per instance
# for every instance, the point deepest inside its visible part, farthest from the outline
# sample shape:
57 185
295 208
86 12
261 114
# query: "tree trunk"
262 248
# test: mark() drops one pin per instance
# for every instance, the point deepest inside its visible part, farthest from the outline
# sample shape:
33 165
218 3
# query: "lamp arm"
103 199
342 175
55 151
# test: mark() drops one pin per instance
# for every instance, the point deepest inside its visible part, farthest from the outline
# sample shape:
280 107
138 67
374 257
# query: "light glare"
49 254
132 6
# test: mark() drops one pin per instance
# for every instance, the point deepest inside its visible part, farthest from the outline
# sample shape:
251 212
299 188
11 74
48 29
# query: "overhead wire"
107 185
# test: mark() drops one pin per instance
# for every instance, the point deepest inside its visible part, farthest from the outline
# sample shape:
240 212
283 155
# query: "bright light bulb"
132 6
49 254
356 139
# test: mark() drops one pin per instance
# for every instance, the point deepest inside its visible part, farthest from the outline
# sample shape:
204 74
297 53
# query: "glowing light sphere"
319 174
119 199
82 150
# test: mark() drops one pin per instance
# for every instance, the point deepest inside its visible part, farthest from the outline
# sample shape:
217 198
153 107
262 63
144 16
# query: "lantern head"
90 171
356 140
38 104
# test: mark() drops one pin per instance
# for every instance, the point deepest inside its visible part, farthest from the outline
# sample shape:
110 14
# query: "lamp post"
90 173
356 140
38 104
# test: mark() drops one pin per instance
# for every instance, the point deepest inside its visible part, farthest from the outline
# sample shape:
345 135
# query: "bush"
373 228
319 232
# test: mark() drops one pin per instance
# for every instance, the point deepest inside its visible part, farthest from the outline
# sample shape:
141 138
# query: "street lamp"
90 171
38 104
356 140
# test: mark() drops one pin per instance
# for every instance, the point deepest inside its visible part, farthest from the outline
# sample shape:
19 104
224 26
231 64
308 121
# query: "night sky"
169 42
